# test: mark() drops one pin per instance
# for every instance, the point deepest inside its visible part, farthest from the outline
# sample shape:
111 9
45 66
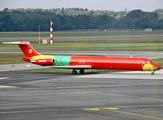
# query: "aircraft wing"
72 67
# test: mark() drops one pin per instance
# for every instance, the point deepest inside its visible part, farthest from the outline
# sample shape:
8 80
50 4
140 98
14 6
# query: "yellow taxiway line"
111 109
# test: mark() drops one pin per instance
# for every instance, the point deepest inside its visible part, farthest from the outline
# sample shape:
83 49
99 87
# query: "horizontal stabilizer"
17 43
26 48
72 67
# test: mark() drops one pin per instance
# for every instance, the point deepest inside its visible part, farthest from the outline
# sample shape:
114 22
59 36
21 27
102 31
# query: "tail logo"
30 50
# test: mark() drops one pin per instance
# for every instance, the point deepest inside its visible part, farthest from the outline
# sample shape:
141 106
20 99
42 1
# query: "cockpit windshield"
150 61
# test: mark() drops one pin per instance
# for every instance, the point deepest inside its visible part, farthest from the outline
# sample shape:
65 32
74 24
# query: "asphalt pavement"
63 96
81 37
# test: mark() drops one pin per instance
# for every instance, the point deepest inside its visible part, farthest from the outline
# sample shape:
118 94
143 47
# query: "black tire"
81 71
152 73
74 72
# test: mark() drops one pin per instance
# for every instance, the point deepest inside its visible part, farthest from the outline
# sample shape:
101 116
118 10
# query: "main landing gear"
81 71
75 72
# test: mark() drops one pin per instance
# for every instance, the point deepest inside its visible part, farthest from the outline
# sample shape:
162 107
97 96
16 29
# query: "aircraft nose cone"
157 67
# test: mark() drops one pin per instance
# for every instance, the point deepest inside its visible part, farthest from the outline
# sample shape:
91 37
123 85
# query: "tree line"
29 20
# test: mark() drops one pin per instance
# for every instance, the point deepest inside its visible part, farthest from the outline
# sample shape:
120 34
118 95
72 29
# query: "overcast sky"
115 5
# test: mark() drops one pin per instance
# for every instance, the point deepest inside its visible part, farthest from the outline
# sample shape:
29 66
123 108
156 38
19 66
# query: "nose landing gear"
153 72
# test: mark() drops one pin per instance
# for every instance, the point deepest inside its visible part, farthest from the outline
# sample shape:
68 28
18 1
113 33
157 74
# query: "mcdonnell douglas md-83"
85 62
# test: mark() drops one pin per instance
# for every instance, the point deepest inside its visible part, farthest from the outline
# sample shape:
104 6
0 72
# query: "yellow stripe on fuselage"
42 57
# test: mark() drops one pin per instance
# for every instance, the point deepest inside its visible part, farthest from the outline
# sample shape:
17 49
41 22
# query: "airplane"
85 62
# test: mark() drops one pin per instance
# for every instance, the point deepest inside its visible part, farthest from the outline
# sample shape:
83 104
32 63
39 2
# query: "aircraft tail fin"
26 48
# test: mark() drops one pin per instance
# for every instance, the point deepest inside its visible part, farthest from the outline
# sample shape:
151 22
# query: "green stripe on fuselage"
155 68
62 60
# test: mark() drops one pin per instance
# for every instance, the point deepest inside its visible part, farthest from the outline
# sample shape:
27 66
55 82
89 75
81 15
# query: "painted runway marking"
2 78
92 109
104 108
111 109
5 86
137 115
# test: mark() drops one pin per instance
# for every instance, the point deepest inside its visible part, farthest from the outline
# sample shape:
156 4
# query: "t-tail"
26 48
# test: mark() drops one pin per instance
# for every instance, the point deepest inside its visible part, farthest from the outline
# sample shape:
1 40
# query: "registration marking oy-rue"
92 109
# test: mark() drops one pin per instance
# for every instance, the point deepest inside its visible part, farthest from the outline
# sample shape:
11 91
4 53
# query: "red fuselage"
111 63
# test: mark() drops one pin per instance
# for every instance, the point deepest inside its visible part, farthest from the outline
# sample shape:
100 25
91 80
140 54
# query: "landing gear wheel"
74 72
81 71
152 73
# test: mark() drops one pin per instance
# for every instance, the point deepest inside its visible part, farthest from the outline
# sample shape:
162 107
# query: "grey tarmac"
23 66
82 37
63 96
